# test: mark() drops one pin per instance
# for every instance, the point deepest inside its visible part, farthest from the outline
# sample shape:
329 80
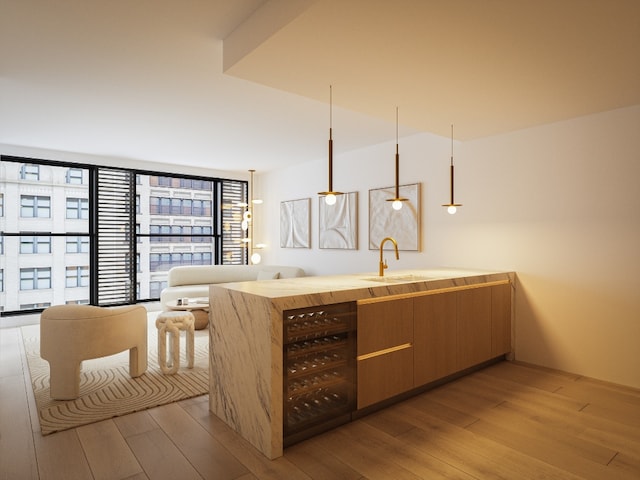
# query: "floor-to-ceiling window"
74 233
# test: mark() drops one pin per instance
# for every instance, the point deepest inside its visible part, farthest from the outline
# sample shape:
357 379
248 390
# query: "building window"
30 245
1 280
32 306
74 176
1 205
77 277
155 287
32 206
35 278
202 208
77 244
77 302
179 206
180 233
161 262
78 208
160 181
30 172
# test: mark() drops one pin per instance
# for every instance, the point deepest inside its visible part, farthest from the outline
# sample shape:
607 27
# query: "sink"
399 278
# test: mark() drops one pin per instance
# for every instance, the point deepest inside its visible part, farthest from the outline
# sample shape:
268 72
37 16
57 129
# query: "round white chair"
70 334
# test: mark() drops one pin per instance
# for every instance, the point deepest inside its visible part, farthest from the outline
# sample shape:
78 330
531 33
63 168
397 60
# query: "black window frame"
214 208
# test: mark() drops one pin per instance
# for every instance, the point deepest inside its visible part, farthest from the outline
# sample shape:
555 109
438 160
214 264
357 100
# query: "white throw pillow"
264 275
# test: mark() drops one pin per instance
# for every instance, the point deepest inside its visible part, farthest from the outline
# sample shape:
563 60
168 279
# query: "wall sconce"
397 200
330 195
247 224
452 205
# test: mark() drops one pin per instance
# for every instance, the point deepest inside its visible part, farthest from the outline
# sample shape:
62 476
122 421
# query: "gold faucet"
383 263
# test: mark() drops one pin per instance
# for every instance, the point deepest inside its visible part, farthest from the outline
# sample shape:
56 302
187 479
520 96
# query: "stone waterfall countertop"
246 336
327 289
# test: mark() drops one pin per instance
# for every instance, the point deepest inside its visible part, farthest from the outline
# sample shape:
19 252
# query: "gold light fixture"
452 206
247 225
397 200
330 195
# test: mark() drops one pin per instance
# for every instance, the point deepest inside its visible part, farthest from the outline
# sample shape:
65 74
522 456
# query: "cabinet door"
434 337
500 319
474 326
384 324
385 350
385 376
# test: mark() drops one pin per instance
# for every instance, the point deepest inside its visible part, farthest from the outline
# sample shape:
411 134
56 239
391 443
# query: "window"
155 287
32 306
98 245
78 208
77 244
77 302
77 277
30 172
74 176
156 181
161 262
32 206
1 280
179 206
30 245
35 278
180 233
201 208
208 231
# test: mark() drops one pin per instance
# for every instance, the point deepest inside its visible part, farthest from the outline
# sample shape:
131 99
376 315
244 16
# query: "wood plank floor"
507 421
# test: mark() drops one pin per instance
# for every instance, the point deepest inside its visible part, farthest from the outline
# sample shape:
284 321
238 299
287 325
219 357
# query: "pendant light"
330 195
397 200
247 224
452 205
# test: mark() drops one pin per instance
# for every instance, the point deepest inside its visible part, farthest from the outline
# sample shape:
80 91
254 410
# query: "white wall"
558 204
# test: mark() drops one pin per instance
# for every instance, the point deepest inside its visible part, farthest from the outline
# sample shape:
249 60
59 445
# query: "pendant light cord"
452 144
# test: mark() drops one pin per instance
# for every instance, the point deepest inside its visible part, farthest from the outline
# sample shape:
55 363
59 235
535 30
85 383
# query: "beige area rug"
107 390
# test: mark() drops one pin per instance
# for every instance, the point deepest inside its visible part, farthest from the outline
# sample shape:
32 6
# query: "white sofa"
194 281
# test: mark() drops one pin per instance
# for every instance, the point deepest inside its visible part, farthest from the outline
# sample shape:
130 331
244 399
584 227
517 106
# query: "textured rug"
107 390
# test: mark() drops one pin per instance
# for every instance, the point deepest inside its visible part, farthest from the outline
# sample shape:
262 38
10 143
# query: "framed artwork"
339 222
403 225
295 223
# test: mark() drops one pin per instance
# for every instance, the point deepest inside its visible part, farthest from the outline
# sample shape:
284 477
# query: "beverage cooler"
319 351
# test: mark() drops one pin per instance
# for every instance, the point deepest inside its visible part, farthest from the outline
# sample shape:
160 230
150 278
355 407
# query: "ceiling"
239 84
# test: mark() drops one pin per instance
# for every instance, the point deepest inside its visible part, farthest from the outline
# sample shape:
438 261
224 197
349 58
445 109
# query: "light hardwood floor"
507 421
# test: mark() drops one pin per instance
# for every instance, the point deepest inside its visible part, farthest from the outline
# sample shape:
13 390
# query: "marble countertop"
393 282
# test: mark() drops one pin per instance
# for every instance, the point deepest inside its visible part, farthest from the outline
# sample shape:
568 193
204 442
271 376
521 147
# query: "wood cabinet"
414 339
473 320
435 337
385 349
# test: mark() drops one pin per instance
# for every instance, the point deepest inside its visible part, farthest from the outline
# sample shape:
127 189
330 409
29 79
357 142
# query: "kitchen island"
413 328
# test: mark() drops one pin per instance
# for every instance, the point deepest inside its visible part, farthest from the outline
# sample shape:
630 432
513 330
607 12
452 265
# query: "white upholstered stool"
172 323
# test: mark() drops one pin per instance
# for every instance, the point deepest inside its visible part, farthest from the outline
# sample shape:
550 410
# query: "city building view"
61 225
